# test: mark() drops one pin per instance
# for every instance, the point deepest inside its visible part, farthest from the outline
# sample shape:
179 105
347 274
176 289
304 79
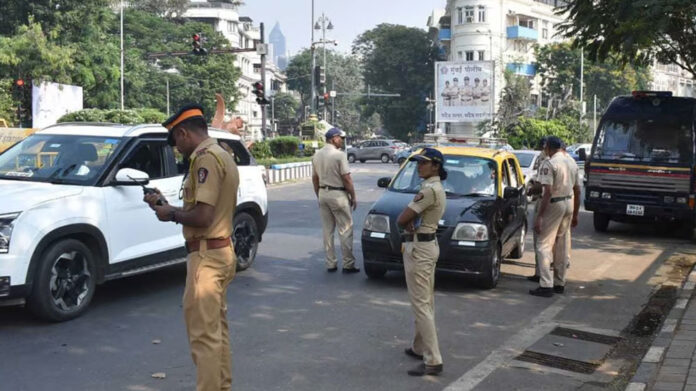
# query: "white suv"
70 217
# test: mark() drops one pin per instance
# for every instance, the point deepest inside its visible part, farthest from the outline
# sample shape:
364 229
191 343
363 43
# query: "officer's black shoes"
409 352
351 270
423 370
559 289
533 278
332 269
541 292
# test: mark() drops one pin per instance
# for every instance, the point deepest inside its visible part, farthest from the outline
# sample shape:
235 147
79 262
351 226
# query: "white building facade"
503 31
674 79
242 34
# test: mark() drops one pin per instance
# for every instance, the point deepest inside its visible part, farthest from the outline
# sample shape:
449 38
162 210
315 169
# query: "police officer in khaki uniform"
535 190
210 198
421 251
334 189
558 212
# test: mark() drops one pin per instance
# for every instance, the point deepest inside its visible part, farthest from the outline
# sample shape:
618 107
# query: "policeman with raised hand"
210 198
421 251
558 211
334 188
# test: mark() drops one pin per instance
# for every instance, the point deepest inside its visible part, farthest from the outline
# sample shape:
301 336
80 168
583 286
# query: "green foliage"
284 146
285 107
261 150
267 162
527 132
86 115
151 116
7 108
130 117
309 150
636 31
165 8
397 59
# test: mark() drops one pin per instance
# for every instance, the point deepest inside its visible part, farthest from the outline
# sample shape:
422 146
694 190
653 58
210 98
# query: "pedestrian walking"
209 194
535 190
421 251
334 189
558 212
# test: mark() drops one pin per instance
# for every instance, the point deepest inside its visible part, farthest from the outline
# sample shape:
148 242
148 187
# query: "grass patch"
271 161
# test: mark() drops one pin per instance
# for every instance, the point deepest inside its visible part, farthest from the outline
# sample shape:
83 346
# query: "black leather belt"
421 237
559 199
332 188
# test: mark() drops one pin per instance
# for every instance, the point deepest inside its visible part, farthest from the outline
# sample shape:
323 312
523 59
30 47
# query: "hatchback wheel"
64 283
351 158
491 273
374 271
519 247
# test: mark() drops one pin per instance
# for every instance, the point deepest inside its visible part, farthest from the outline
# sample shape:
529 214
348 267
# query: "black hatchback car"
485 219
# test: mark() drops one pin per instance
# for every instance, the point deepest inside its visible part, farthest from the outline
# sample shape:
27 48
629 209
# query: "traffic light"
197 45
320 76
327 99
18 89
260 93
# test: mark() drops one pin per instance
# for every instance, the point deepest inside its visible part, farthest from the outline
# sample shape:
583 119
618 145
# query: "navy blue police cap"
186 112
333 132
428 154
554 142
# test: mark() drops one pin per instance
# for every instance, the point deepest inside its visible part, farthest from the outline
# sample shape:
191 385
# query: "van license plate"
635 210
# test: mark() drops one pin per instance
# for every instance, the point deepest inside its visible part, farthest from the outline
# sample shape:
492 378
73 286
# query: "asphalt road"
296 327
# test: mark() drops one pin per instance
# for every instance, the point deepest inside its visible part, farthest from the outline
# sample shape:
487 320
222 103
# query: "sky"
349 17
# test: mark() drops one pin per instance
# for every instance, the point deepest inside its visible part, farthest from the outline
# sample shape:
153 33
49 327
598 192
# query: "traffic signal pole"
263 80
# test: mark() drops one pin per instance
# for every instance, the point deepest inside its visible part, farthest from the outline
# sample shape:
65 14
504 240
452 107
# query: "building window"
481 14
545 33
460 55
469 14
481 55
460 15
469 55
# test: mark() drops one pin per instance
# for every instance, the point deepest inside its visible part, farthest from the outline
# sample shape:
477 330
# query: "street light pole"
314 64
121 54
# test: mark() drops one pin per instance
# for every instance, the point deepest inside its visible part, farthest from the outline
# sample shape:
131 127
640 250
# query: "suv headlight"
6 225
376 223
470 232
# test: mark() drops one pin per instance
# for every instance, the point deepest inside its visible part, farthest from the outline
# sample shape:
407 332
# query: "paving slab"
570 348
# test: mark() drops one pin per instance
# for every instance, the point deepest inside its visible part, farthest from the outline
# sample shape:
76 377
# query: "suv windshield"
58 158
466 176
647 131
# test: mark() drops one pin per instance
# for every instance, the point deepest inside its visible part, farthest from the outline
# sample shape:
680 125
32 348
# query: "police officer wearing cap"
535 191
334 189
421 251
558 211
209 195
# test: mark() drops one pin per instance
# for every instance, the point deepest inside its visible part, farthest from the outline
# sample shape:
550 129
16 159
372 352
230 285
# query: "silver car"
383 150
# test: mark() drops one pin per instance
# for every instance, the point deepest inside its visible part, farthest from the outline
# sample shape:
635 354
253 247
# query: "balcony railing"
522 33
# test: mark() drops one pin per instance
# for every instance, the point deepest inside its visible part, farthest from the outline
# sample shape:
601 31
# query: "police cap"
188 111
554 142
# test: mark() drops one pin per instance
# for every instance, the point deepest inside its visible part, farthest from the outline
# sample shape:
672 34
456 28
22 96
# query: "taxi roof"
488 153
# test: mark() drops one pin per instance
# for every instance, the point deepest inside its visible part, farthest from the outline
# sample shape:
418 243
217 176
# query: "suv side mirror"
131 177
582 154
383 182
511 192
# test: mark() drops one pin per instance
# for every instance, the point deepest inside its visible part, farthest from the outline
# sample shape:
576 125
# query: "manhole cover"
585 336
557 362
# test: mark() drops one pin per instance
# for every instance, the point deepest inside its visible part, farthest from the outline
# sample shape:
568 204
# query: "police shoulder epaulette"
202 152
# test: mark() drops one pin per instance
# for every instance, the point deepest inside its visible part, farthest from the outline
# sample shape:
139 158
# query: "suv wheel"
64 282
519 248
600 221
246 240
491 272
362 160
385 158
374 271
351 158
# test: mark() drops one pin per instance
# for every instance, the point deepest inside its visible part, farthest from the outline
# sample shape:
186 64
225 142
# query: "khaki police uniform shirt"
560 174
213 179
429 204
467 94
330 164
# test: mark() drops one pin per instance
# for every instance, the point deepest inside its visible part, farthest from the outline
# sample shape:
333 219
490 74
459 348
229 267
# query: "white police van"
71 218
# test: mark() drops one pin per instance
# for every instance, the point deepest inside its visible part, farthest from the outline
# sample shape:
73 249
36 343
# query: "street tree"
285 107
165 8
635 31
398 59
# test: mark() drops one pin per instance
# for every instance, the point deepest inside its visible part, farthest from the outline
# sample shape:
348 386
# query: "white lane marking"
537 328
654 354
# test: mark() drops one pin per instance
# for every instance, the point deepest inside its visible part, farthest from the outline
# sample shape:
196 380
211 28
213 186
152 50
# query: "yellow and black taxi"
485 219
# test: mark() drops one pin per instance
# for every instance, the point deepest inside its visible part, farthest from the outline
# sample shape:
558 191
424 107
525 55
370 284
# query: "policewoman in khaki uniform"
558 211
421 251
210 196
336 193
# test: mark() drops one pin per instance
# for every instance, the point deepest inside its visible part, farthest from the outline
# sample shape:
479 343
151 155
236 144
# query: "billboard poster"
464 91
50 101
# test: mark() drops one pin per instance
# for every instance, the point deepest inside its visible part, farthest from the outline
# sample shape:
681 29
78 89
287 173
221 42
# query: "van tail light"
692 201
394 147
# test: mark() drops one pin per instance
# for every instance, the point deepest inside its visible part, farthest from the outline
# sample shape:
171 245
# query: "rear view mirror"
511 192
132 177
582 154
383 182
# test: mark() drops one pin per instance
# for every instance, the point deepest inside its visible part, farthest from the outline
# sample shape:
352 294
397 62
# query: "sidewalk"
670 363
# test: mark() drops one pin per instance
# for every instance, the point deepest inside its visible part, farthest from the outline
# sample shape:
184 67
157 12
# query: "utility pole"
273 123
313 103
594 114
167 96
263 79
122 99
582 81
333 102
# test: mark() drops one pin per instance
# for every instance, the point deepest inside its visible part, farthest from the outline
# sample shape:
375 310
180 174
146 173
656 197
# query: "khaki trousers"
205 313
335 212
419 264
555 231
537 203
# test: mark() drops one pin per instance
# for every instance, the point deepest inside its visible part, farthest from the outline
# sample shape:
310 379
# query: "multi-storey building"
242 34
280 52
673 78
502 31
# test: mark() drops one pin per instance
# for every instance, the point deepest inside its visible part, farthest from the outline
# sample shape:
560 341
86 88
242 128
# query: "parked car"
529 162
485 219
402 155
383 150
72 216
574 150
